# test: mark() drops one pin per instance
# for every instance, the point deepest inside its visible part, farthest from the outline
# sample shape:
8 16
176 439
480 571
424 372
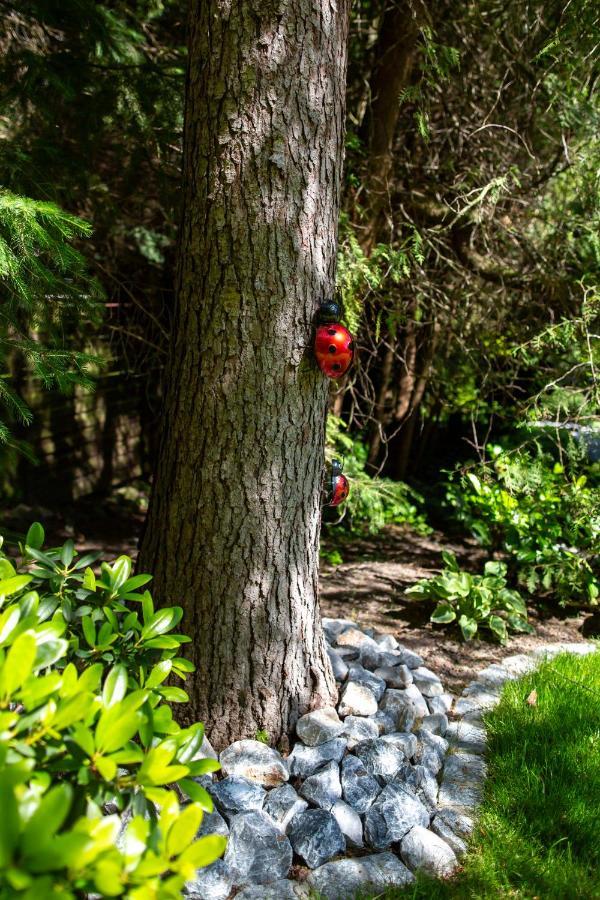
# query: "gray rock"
465 767
323 788
386 641
395 676
334 627
255 761
303 761
213 823
463 796
392 815
257 851
404 705
359 789
406 742
427 681
358 673
348 654
387 723
346 878
283 889
431 750
373 657
380 758
357 700
424 851
316 837
354 637
460 823
212 883
319 726
421 782
409 657
440 704
437 723
443 830
357 728
234 795
282 804
206 750
519 665
340 668
466 736
477 701
350 823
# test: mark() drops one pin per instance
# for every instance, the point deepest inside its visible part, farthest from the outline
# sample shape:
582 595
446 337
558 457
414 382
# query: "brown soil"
369 588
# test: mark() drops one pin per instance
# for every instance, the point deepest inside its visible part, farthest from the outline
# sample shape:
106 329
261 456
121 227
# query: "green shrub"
83 724
544 515
474 601
373 502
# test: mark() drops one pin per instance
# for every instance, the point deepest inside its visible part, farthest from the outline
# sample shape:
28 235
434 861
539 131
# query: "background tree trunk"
233 526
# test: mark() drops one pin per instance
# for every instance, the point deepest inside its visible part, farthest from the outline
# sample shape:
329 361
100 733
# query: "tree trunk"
233 526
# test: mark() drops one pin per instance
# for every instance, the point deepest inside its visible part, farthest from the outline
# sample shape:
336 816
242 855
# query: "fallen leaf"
532 699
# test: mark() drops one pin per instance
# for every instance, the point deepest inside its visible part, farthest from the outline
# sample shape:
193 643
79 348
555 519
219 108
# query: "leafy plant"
373 502
544 514
474 601
85 730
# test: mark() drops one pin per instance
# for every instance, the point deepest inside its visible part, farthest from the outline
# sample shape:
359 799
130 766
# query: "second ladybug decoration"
334 345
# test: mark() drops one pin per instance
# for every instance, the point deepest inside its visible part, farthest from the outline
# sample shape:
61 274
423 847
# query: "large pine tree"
233 526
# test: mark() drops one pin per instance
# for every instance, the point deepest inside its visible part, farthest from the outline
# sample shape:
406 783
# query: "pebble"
386 722
305 760
255 761
234 795
424 851
392 815
357 700
405 705
282 804
323 788
440 704
405 741
316 837
319 726
468 737
346 878
431 750
257 851
437 723
359 789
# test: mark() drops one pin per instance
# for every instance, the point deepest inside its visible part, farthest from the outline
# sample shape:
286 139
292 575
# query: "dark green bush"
86 727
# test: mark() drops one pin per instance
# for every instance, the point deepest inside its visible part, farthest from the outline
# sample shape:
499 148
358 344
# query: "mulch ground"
368 587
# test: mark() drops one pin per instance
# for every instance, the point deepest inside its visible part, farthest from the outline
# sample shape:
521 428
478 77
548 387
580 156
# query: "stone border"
394 774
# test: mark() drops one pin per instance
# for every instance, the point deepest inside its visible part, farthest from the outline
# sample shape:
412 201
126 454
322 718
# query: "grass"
539 828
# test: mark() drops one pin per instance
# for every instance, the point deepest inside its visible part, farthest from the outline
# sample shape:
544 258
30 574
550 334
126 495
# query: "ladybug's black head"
329 311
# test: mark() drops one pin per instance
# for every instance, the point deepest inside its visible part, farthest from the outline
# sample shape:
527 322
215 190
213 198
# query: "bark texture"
233 526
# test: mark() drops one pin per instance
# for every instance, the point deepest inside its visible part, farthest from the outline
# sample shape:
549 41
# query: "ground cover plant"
538 833
473 601
542 512
95 774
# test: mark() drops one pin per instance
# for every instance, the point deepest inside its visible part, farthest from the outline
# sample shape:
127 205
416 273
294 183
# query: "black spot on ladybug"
332 349
336 367
332 331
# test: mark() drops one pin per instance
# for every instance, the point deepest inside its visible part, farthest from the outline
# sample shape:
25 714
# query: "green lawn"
539 826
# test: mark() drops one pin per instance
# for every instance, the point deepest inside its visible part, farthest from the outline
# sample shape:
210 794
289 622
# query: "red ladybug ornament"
339 486
334 345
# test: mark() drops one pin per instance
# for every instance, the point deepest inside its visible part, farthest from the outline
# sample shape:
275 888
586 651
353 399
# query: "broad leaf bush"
474 601
544 514
95 773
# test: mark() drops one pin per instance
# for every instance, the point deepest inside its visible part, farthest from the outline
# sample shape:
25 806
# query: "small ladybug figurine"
334 345
338 488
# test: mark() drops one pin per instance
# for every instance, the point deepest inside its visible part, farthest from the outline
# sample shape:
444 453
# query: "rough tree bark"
233 526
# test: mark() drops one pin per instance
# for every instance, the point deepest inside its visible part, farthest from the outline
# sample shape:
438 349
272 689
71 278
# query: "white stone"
424 851
338 665
234 795
323 788
303 760
255 761
283 889
359 789
319 726
350 823
427 681
358 673
395 676
392 815
257 850
440 704
357 700
431 750
358 728
437 723
282 804
380 758
316 837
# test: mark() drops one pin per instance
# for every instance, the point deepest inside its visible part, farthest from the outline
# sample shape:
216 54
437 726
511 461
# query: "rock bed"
380 787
